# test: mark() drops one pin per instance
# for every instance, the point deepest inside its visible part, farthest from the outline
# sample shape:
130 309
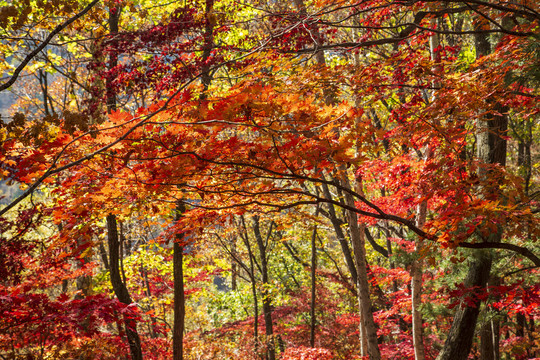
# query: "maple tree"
272 143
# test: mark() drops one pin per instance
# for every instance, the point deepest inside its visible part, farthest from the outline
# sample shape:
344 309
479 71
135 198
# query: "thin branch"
45 42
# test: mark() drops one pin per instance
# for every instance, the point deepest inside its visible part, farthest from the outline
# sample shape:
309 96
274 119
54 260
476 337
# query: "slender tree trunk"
524 160
266 301
144 275
122 251
114 19
120 288
340 235
253 289
489 335
416 287
416 291
313 288
83 282
234 266
42 77
487 350
532 330
496 335
178 248
368 328
179 306
206 77
417 264
115 253
103 254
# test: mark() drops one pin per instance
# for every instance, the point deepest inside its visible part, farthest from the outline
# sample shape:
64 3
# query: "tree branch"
491 245
45 42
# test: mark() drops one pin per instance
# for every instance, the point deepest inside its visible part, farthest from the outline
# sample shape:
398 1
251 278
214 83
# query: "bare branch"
491 245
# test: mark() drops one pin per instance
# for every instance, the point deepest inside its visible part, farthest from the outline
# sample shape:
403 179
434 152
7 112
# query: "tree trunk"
83 282
253 289
459 341
487 346
255 304
153 320
368 329
533 353
43 82
267 303
114 19
313 319
416 292
178 249
340 235
417 264
234 266
206 76
119 286
120 289
491 149
494 327
179 306
103 254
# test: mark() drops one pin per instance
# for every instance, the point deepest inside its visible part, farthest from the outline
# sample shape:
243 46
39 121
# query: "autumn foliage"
331 180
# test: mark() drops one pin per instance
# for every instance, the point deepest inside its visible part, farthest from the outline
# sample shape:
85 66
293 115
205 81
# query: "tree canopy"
285 180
